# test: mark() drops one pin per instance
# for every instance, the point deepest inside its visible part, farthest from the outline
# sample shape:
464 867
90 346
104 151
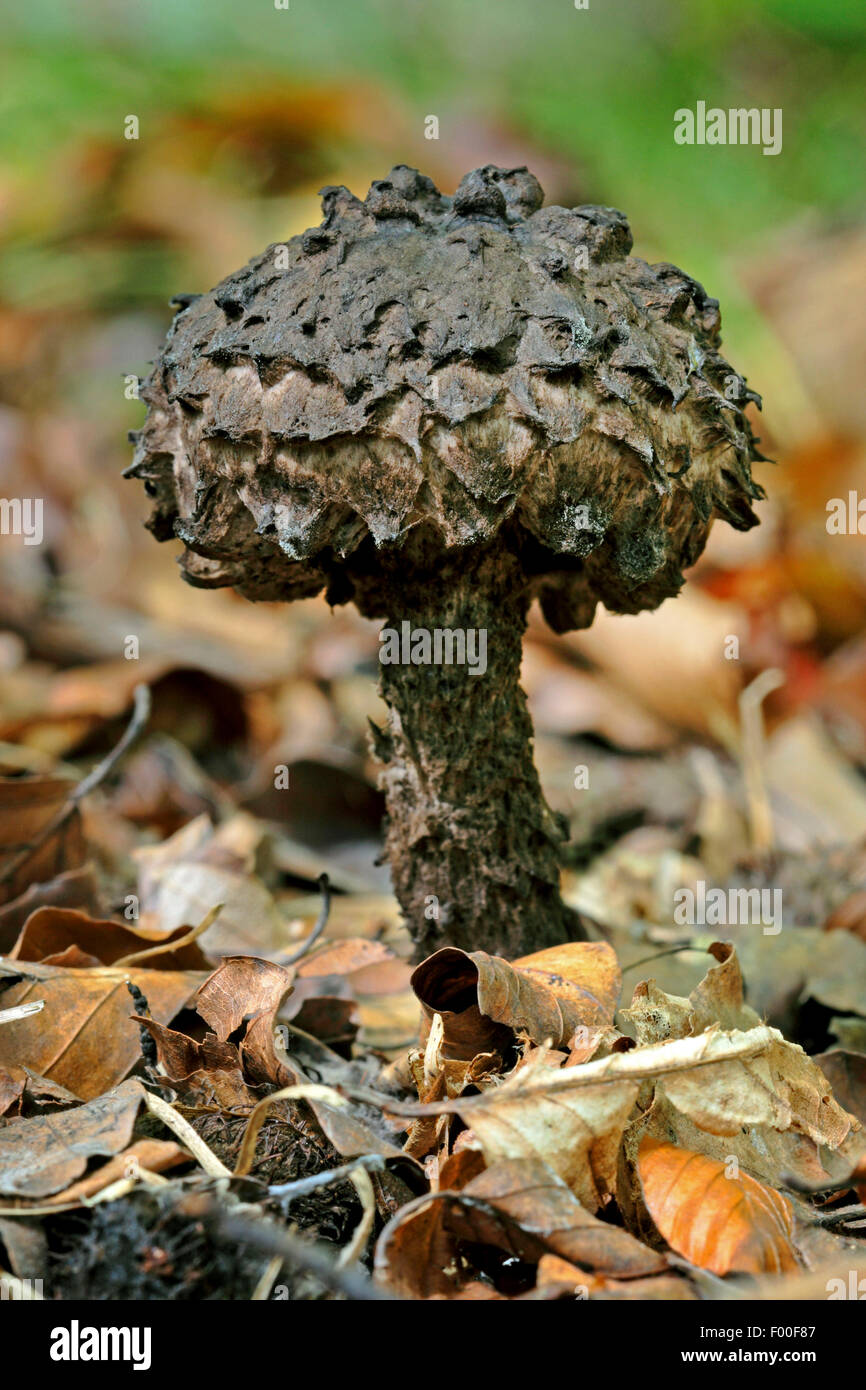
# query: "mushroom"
441 408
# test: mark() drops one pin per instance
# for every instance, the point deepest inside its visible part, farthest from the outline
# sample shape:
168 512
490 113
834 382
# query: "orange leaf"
719 1223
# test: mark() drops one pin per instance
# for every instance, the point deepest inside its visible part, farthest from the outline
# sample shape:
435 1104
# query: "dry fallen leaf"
721 1223
484 1001
28 805
771 1108
522 1209
51 931
45 1154
85 1038
183 878
145 1155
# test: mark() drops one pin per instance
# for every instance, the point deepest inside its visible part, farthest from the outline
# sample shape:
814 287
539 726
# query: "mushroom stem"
472 844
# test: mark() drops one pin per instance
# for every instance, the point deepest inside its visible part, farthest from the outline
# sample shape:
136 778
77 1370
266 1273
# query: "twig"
321 923
839 1216
304 1253
288 1191
641 1064
167 947
648 960
140 716
213 1166
816 1189
21 1011
262 1292
351 1253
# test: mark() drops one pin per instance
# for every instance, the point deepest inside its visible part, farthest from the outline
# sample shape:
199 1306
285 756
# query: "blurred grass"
596 89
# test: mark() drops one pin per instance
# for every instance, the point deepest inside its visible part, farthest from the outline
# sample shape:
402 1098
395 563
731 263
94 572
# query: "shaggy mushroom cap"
422 374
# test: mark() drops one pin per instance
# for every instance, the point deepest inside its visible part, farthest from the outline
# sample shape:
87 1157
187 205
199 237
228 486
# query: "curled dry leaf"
720 1223
216 1071
207 1073
51 931
485 1002
771 1108
521 1209
239 987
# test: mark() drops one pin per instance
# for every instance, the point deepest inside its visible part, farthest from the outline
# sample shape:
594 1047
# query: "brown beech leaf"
576 1118
202 1073
46 1153
576 1132
183 878
723 1224
241 986
50 931
484 1001
520 1208
84 1037
20 1087
27 806
73 888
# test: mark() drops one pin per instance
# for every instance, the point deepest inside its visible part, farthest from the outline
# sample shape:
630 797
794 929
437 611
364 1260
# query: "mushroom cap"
421 374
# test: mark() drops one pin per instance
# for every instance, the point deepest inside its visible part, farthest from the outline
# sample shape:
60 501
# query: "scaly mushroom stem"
473 847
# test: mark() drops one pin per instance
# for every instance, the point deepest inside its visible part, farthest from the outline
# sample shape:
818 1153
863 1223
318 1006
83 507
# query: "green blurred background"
246 110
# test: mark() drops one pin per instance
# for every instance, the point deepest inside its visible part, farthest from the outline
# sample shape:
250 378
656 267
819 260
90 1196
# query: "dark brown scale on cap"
424 381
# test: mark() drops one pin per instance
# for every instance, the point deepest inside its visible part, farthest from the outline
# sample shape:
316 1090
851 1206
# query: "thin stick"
838 1216
21 1011
648 960
167 947
641 1064
301 1253
321 923
213 1166
757 797
351 1253
302 1186
140 716
262 1292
